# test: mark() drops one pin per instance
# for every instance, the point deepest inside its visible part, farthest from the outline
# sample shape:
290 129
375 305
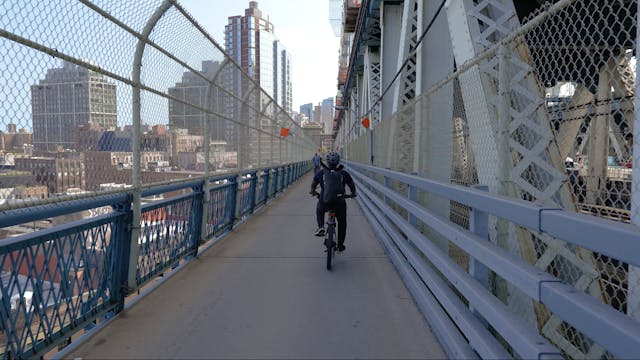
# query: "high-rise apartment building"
250 40
282 77
194 89
66 98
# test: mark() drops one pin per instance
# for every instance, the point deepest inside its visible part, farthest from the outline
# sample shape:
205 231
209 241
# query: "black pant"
340 208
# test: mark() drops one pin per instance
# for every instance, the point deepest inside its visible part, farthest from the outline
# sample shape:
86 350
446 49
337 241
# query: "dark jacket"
347 180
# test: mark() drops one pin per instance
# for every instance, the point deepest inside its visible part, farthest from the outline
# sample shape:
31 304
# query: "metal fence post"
268 183
121 238
265 185
197 210
206 200
285 178
633 299
252 191
136 122
233 200
275 181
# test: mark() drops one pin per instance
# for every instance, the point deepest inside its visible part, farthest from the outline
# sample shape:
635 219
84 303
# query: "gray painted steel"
615 331
264 292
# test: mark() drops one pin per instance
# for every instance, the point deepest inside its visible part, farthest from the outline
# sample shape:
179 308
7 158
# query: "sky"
303 28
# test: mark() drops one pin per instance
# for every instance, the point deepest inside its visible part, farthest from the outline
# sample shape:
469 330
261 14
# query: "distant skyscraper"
282 78
307 109
326 115
250 40
68 97
193 89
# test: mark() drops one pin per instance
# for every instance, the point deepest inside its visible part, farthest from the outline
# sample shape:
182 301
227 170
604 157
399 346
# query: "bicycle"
330 234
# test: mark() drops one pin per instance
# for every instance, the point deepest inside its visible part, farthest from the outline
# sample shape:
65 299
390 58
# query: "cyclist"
332 180
317 160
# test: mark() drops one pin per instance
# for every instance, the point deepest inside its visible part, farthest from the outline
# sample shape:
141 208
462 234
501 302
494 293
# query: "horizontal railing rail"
60 280
485 315
622 239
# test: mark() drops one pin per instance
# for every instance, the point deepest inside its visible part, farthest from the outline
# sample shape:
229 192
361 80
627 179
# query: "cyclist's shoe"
340 247
319 232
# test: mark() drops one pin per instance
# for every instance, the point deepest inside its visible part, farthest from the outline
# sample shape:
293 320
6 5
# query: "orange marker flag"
365 122
284 132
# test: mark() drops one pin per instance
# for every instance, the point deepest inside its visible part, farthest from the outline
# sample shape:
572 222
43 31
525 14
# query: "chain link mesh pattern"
547 117
67 110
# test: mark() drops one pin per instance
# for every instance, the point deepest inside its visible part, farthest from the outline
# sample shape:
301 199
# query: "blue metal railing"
483 323
247 193
167 233
58 281
221 205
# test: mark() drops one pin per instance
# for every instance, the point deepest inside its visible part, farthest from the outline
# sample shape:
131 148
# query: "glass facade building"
250 40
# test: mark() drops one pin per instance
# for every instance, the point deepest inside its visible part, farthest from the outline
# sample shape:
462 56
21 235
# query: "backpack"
333 185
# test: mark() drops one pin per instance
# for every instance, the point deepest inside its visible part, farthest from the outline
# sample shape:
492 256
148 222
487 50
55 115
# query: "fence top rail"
25 215
622 239
29 211
36 237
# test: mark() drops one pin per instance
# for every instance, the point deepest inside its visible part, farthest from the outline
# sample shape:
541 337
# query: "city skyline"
17 108
308 35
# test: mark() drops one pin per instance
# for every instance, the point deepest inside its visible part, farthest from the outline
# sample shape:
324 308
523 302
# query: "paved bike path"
264 292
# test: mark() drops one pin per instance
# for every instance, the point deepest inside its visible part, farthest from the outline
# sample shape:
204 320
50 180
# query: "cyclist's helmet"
333 159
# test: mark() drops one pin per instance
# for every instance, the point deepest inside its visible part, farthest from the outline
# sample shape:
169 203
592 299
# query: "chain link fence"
99 96
544 112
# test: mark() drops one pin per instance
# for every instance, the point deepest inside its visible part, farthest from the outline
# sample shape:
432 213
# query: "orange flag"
365 122
284 132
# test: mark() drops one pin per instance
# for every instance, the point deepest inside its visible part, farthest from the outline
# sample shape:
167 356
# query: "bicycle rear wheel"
330 244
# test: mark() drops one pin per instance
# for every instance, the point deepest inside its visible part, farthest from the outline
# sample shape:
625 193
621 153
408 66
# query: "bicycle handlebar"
344 196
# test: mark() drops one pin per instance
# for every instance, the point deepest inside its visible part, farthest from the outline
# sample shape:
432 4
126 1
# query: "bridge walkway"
263 292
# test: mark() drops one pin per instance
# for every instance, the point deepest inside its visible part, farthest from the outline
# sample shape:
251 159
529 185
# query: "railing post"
265 185
121 237
206 200
252 191
285 177
136 121
275 181
412 194
479 225
270 184
233 200
197 209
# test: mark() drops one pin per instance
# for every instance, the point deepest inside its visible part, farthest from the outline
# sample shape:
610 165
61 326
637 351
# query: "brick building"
57 174
13 140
